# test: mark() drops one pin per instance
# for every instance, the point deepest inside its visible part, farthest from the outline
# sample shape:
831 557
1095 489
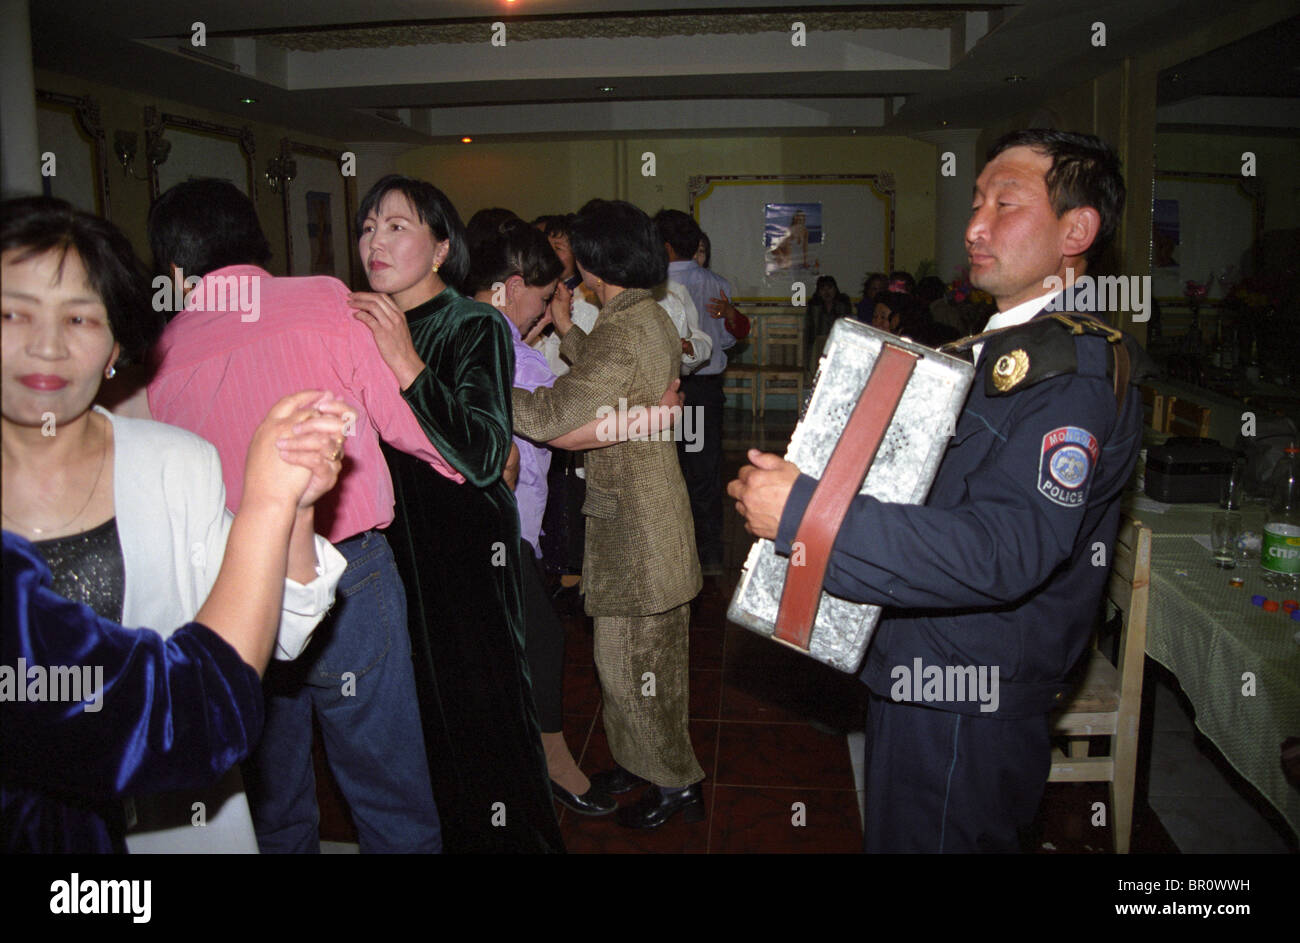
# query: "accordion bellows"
902 472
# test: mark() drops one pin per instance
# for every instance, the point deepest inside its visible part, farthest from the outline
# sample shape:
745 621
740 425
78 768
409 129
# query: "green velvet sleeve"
462 397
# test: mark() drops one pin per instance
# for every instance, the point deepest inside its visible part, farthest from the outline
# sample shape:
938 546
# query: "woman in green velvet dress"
457 545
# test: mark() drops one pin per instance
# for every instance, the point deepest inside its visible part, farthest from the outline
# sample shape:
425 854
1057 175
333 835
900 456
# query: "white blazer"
172 522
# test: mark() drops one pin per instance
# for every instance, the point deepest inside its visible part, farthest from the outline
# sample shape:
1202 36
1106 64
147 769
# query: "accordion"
898 402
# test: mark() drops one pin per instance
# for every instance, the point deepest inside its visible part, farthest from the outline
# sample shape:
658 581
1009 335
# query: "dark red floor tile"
578 641
802 691
706 694
706 649
767 821
581 689
783 755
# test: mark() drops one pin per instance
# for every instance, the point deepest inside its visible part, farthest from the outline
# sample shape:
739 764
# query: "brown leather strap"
830 501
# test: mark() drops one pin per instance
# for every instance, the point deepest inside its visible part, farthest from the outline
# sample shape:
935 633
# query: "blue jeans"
356 675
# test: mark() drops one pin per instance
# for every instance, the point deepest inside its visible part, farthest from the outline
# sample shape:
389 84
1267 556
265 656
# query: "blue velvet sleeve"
98 710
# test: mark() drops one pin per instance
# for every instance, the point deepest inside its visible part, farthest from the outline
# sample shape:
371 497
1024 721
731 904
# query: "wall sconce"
124 146
280 172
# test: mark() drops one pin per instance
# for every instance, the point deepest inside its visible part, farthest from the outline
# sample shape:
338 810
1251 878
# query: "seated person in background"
872 285
826 305
149 525
181 711
902 281
931 289
907 316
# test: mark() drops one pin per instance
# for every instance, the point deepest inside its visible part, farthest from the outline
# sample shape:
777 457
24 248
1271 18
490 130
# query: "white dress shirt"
1017 314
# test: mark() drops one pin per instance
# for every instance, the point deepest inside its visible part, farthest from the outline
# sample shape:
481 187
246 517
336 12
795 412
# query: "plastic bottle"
1280 552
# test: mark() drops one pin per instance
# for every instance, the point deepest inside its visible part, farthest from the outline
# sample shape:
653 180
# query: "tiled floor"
779 737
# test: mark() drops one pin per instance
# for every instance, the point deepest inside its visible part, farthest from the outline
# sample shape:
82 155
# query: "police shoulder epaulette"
1028 354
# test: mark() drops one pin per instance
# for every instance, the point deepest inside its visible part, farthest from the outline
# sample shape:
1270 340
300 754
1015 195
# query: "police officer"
1001 571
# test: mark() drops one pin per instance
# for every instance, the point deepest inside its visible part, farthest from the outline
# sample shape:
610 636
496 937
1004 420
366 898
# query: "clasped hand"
297 452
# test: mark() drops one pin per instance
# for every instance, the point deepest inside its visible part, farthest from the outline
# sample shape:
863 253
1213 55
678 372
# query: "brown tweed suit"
640 570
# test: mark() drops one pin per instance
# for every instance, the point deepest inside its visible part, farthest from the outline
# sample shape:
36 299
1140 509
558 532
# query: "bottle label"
1281 549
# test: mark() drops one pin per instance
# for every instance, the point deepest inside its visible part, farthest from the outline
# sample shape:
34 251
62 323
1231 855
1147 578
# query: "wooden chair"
1108 701
1185 418
781 349
743 378
1155 412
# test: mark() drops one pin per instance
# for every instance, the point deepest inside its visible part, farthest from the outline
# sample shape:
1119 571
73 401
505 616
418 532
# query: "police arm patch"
1065 464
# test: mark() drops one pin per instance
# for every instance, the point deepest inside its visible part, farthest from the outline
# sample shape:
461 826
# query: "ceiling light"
467 140
248 101
605 88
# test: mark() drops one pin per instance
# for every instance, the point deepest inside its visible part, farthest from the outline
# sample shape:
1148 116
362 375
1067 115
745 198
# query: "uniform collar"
1020 313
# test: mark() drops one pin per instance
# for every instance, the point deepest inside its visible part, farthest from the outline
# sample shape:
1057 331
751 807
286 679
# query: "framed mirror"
69 127
199 149
319 203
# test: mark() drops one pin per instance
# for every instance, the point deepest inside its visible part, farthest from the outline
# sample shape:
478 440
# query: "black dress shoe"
655 807
616 781
591 802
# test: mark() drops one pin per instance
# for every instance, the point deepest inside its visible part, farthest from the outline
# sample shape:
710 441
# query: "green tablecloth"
1209 635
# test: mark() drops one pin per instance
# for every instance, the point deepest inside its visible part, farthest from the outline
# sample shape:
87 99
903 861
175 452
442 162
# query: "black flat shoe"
591 802
616 781
654 808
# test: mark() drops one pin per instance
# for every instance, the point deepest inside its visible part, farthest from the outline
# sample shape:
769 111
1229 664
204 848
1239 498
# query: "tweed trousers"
646 717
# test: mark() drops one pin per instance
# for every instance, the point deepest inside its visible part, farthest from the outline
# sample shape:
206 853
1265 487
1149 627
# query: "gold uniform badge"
1010 369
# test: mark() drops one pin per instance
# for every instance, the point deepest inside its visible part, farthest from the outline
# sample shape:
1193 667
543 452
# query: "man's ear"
1080 226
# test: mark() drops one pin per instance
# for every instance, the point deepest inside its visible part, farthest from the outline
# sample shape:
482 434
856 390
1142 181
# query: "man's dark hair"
901 280
554 224
203 225
1084 172
881 277
483 225
515 248
33 226
617 242
434 210
679 231
930 289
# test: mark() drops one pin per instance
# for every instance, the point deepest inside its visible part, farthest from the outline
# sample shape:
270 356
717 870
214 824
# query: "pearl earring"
110 372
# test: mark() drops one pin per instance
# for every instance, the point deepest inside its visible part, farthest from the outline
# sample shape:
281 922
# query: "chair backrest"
783 340
1187 419
1155 412
1129 588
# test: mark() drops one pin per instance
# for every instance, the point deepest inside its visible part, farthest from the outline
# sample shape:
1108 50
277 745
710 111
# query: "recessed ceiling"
415 71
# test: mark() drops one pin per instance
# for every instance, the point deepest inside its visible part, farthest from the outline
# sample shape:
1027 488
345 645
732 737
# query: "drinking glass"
1225 531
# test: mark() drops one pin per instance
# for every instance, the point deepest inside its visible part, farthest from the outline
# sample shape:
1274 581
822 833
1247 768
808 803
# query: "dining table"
1237 662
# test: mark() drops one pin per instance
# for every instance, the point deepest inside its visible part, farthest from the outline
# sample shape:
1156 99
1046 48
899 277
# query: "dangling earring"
110 372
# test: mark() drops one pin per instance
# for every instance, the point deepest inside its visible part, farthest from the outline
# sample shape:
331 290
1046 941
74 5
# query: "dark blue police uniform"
1001 572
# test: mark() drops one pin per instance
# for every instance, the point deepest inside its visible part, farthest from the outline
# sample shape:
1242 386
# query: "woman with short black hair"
639 515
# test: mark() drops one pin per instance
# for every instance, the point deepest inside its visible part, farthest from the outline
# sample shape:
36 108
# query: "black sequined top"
88 568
